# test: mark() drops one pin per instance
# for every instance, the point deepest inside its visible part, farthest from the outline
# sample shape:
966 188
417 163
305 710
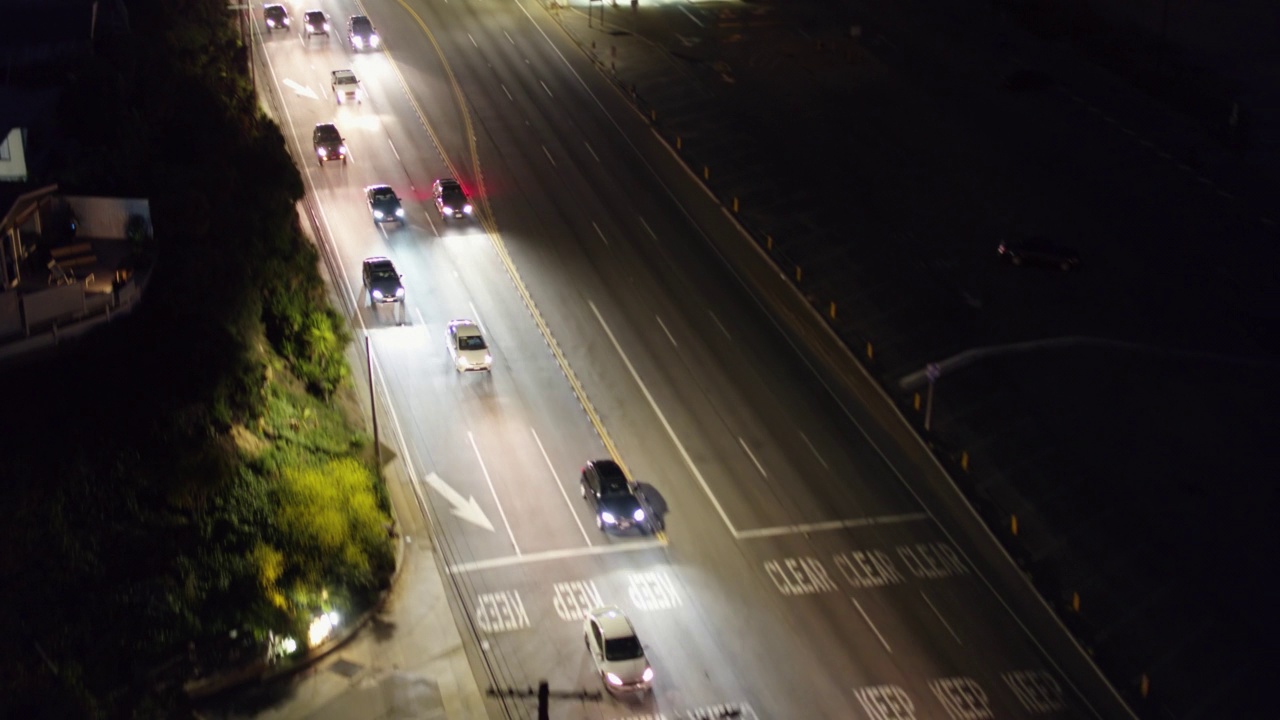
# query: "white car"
616 650
467 347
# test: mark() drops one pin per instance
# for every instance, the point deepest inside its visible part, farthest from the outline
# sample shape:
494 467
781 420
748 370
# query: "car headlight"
467 208
399 212
286 22
342 149
357 41
638 515
447 209
377 214
271 23
373 41
613 679
648 674
377 294
326 27
338 96
399 292
321 152
608 518
488 358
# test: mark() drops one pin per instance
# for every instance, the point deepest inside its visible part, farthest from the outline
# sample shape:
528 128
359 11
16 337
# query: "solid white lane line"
496 501
713 317
600 232
504 32
422 322
646 227
805 528
508 92
668 332
944 620
475 316
814 450
393 148
560 485
555 555
592 151
544 87
871 625
685 10
548 152
473 40
752 455
684 454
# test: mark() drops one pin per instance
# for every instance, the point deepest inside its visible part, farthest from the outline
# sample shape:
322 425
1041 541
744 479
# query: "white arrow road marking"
467 509
301 89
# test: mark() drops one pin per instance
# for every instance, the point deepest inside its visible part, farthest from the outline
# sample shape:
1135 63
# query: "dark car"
381 281
1037 251
315 22
328 143
384 205
451 201
361 35
276 17
613 497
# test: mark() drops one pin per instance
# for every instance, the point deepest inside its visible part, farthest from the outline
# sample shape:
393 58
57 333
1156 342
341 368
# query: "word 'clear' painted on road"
885 702
652 591
799 576
1038 691
866 569
574 598
932 561
499 612
963 698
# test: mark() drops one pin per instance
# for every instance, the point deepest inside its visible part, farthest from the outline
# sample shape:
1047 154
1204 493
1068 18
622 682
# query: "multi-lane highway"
799 575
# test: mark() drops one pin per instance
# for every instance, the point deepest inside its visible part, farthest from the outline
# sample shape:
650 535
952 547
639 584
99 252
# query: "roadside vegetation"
191 477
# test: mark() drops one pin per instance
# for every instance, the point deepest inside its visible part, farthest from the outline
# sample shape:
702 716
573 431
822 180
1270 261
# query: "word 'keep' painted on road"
932 561
1038 691
963 698
652 591
574 598
885 702
799 576
866 569
499 612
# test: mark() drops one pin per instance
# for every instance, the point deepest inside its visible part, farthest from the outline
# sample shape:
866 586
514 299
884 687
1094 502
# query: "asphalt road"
797 576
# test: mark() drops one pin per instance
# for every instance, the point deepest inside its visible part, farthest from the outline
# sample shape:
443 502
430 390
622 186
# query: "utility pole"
544 693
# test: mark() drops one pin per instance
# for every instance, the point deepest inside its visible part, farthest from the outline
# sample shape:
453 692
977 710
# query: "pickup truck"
346 87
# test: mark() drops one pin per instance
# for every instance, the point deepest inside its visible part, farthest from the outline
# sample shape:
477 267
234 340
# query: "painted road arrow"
301 89
467 509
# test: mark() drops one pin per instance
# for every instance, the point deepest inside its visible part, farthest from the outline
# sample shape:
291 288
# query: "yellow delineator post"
1013 524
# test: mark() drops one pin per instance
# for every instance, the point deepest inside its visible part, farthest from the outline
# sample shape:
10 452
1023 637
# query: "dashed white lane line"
754 461
544 87
719 324
496 501
646 227
691 16
668 332
814 450
504 32
599 232
473 40
548 152
591 150
945 624
556 480
508 92
871 625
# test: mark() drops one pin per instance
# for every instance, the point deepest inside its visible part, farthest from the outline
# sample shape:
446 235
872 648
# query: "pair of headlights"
323 152
377 294
378 214
359 41
611 519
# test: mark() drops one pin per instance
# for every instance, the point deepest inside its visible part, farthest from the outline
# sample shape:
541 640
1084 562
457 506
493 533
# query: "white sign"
799 576
652 591
963 698
574 598
1038 691
870 568
885 702
500 612
931 561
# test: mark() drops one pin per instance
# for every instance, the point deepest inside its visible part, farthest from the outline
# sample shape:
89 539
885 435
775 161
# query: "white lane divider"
668 332
871 625
496 501
560 486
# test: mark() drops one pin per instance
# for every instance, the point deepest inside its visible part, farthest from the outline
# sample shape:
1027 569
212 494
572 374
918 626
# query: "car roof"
464 327
377 260
344 73
608 468
613 622
376 188
315 12
448 183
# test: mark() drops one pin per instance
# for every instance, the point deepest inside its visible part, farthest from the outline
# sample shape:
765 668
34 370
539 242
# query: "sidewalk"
1028 439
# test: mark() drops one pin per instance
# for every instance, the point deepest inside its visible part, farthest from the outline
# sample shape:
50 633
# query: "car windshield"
327 133
623 648
453 196
470 342
383 195
315 18
361 25
383 274
614 486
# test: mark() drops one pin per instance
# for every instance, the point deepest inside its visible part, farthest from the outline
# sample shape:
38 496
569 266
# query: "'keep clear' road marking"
653 590
885 702
963 698
1037 690
737 711
865 569
932 561
499 612
574 598
799 576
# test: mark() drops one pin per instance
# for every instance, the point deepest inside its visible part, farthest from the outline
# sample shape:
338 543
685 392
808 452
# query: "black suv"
360 33
613 497
451 201
384 205
315 22
1037 251
329 143
276 17
381 281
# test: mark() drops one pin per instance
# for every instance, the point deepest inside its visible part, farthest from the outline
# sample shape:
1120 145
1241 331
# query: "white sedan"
467 347
616 650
